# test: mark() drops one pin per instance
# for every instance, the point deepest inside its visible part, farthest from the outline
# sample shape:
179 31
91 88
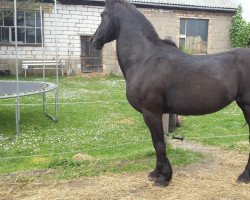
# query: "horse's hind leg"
245 176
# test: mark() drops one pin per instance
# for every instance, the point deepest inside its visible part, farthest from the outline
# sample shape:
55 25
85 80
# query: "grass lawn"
95 120
226 128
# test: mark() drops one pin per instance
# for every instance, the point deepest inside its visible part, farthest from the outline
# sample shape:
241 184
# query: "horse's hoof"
161 182
244 177
152 176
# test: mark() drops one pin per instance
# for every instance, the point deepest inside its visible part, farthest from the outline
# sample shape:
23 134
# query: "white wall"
72 22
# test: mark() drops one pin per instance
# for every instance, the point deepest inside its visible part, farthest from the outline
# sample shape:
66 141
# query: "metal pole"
44 103
56 89
17 73
42 39
41 17
185 34
56 44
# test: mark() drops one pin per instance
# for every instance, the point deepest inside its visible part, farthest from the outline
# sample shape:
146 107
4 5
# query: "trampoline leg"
55 118
17 117
56 103
44 102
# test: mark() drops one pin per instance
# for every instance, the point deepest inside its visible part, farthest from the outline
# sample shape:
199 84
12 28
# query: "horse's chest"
134 98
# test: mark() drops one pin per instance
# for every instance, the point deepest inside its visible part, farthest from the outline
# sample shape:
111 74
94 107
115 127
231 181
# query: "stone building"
198 27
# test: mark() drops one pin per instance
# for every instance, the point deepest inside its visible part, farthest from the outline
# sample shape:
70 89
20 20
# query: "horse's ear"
108 2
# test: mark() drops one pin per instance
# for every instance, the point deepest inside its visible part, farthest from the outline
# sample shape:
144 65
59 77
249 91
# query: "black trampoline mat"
8 89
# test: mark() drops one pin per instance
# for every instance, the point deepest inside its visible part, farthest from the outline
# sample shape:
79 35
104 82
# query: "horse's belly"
197 110
199 105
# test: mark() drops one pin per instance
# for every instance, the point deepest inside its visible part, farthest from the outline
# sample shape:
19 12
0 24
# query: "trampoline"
8 89
16 89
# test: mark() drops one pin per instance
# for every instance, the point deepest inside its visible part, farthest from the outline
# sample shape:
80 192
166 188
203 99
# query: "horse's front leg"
163 171
245 176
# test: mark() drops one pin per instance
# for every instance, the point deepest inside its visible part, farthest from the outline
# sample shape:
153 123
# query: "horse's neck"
131 47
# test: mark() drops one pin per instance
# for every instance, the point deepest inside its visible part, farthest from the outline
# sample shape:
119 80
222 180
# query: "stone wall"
75 21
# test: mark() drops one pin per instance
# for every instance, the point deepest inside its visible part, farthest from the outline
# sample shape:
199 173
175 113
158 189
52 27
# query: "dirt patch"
213 178
83 157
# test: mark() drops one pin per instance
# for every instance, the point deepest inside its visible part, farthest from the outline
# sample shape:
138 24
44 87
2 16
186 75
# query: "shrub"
240 32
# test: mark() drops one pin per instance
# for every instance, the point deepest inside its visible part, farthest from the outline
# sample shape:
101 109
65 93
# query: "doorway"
91 58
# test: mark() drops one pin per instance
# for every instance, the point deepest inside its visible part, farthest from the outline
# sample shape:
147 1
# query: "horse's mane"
147 27
171 42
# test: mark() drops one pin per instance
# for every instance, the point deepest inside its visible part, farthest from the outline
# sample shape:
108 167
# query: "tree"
240 32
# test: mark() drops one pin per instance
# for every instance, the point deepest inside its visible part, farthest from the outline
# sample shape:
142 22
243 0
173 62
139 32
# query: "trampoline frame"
53 86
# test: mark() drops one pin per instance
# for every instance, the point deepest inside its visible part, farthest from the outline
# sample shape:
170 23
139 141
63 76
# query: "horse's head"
106 32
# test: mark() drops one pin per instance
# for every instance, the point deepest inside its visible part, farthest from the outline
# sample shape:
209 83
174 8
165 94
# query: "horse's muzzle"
95 43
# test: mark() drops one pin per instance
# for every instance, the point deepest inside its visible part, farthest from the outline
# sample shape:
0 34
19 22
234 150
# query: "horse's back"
217 79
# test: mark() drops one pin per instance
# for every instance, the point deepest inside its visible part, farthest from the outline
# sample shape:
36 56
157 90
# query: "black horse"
162 79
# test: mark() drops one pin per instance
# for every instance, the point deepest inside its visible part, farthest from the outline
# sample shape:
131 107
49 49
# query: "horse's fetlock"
244 177
162 181
168 173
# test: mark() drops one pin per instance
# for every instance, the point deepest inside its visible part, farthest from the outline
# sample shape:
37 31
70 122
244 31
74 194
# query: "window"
193 35
28 27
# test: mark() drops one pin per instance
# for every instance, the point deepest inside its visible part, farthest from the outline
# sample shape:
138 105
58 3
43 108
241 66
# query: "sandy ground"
213 178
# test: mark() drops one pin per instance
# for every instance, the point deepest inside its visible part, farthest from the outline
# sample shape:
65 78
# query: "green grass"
226 128
94 119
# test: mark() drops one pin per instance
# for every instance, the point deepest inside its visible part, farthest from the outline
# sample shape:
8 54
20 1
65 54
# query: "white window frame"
36 27
184 36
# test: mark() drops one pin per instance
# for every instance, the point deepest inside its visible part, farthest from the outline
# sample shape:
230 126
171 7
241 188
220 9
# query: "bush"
240 32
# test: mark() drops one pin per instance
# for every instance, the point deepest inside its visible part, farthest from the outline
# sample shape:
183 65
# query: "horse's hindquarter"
243 58
204 84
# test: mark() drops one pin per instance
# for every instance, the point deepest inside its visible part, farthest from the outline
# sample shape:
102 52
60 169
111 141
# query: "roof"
226 4
211 5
